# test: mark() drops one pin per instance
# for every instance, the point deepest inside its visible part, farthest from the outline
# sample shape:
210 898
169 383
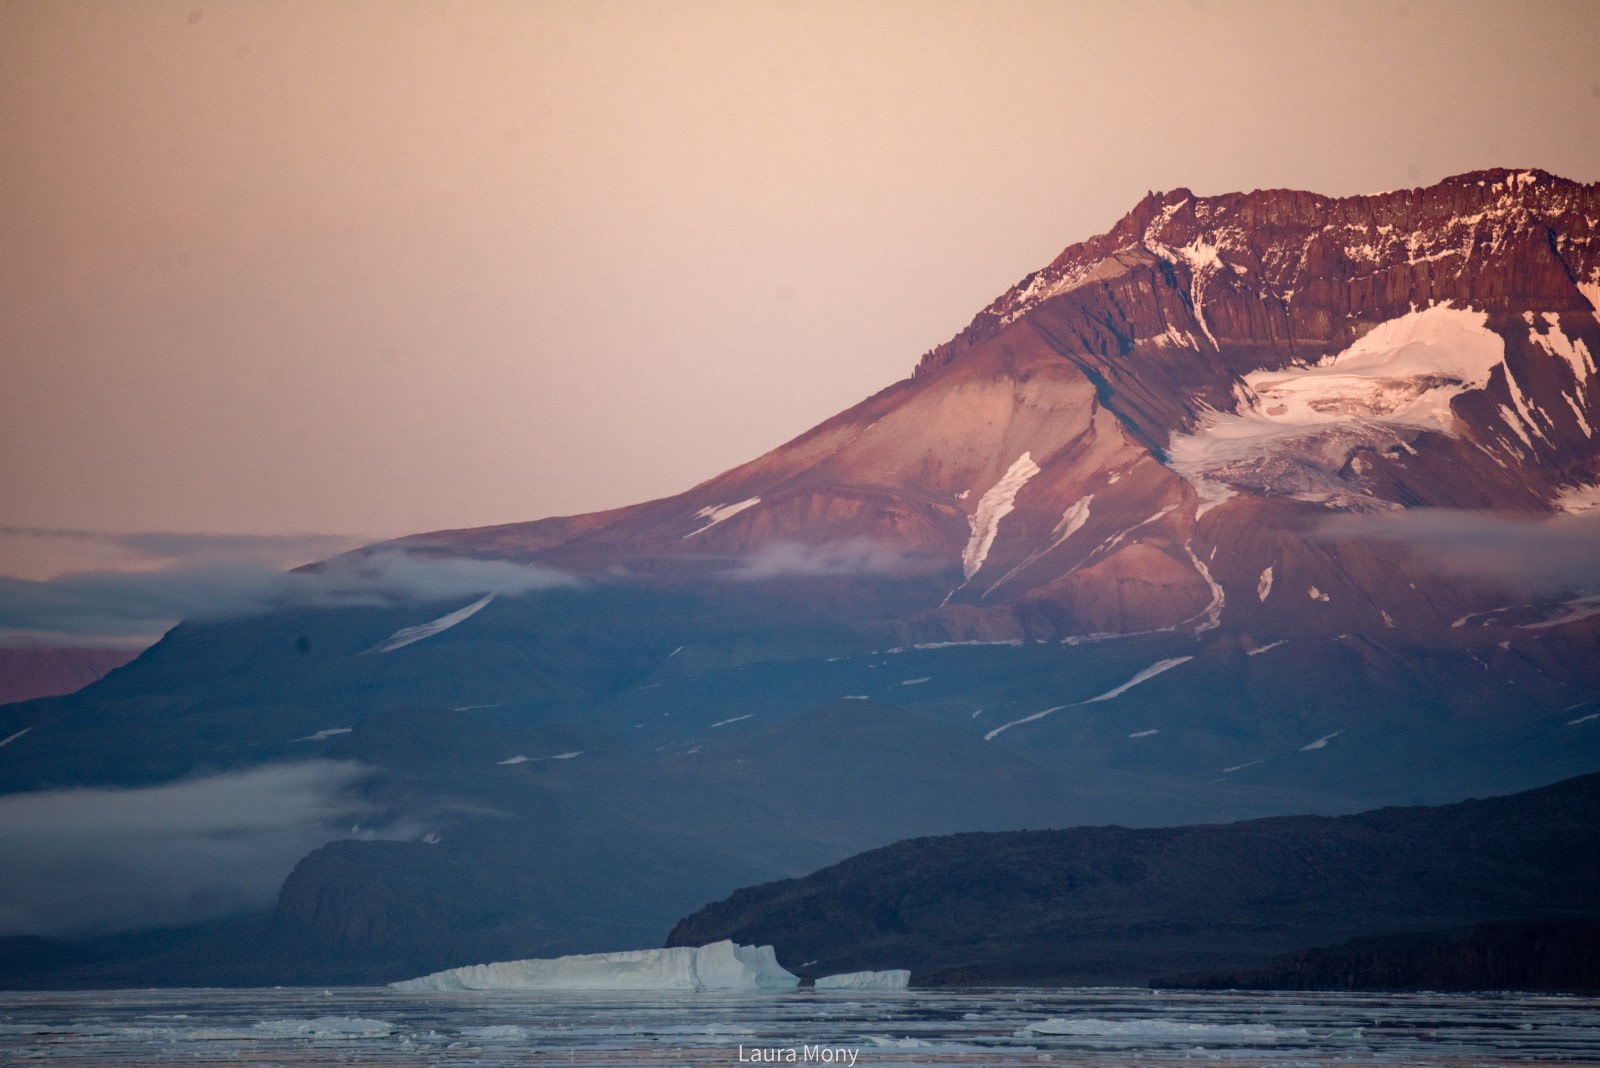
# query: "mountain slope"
1110 422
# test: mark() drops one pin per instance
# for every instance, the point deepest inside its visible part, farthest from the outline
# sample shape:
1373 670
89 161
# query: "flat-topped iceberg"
718 966
892 979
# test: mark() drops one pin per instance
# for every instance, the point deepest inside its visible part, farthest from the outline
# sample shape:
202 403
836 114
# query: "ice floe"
1165 1029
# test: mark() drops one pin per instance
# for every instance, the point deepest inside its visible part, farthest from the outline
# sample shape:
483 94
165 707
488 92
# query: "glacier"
1296 427
891 979
718 966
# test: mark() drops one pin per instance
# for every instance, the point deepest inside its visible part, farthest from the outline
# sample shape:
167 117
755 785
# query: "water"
1099 1027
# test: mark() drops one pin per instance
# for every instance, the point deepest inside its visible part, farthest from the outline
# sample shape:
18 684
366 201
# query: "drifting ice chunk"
718 966
893 979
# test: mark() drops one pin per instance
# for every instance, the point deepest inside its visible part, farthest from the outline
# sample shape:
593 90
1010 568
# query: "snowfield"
1293 428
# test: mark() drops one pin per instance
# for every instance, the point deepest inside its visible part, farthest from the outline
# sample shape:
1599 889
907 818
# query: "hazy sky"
374 268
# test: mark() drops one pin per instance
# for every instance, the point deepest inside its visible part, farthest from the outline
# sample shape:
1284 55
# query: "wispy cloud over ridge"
199 577
854 556
1553 554
95 861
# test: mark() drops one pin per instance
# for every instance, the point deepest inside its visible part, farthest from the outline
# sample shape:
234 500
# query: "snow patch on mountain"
1576 500
993 506
1294 427
992 735
1072 521
1555 342
1264 585
718 513
1591 293
1145 675
409 635
320 736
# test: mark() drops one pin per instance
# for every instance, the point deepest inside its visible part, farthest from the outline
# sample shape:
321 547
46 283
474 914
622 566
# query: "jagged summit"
1274 245
1146 433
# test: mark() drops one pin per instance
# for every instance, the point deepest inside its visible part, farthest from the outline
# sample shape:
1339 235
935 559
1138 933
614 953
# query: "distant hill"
1113 905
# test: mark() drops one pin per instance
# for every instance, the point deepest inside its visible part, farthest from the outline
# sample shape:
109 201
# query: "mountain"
1154 540
1111 905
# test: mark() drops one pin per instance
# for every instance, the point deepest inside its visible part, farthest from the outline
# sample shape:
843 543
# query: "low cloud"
856 556
86 862
43 553
1553 555
135 607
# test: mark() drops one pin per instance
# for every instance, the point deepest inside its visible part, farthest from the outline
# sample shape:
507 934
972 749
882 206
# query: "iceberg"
892 979
718 966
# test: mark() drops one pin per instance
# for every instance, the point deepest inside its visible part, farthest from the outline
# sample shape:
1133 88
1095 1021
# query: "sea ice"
718 966
1164 1030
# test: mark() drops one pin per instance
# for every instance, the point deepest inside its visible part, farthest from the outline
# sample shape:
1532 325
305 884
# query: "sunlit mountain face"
1256 504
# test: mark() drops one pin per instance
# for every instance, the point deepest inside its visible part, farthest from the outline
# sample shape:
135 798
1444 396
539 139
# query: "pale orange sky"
373 268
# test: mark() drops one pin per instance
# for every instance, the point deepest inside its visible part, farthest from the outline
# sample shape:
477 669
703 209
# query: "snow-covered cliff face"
1081 459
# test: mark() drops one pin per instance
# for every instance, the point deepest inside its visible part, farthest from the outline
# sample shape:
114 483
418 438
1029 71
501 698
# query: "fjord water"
992 1027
